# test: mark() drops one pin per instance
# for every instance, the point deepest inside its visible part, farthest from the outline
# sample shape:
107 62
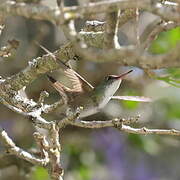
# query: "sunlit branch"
119 124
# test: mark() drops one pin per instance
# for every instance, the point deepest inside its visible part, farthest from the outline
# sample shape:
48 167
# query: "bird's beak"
121 76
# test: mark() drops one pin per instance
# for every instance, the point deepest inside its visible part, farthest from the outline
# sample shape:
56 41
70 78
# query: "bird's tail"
60 88
57 85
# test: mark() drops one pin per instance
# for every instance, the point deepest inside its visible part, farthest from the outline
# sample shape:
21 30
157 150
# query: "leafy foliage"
165 42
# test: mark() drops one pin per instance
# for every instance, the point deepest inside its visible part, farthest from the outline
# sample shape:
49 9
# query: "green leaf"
165 41
174 72
170 80
172 77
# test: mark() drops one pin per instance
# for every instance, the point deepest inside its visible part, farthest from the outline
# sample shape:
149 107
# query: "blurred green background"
100 154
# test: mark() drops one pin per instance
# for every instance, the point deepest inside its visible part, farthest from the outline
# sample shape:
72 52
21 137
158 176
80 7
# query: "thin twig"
56 170
110 35
102 124
13 149
124 128
146 131
42 144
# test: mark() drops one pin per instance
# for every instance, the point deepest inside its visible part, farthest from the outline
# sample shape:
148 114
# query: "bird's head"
111 83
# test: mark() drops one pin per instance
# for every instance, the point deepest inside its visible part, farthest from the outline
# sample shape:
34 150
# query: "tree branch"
54 15
13 149
145 131
35 11
129 55
161 27
124 128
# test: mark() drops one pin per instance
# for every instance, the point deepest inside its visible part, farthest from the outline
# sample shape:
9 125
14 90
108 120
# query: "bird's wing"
133 98
78 82
60 88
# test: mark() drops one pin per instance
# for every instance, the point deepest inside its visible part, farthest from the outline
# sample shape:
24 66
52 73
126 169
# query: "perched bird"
84 95
90 98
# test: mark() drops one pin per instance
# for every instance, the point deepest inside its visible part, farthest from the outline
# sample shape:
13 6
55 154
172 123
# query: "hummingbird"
91 99
83 94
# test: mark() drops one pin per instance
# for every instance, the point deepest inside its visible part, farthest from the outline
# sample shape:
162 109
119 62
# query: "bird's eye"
108 78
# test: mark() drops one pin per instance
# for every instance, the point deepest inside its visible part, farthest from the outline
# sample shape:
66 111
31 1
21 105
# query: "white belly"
104 102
